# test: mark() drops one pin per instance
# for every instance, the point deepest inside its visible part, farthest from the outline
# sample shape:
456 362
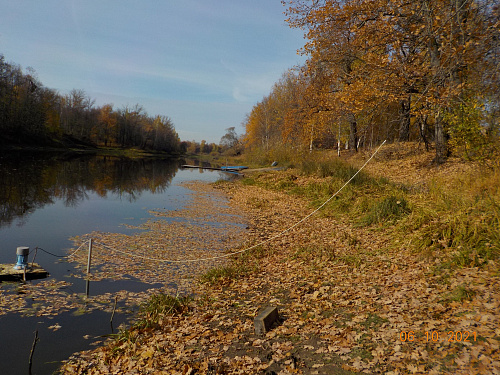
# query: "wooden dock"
200 167
8 273
229 169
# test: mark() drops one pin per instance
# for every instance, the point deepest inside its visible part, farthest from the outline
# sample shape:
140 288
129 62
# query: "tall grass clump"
389 209
241 265
460 218
352 199
341 170
222 274
158 306
150 316
284 155
338 170
329 168
471 237
165 304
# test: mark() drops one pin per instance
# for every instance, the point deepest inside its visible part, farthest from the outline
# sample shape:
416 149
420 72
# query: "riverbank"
357 286
65 152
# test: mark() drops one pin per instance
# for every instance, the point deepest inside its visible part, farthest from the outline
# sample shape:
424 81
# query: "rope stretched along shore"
253 246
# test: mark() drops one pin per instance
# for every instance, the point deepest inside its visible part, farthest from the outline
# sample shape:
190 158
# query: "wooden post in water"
113 314
90 257
87 286
34 256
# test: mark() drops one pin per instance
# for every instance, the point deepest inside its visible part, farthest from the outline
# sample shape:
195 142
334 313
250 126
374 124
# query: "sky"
203 63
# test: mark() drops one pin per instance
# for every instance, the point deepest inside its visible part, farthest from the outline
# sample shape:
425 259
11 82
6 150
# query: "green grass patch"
338 170
364 353
222 274
389 209
240 266
374 321
160 305
457 220
470 237
459 294
351 260
150 314
248 181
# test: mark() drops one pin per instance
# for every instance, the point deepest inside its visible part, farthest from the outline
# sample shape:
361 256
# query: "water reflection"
55 198
31 181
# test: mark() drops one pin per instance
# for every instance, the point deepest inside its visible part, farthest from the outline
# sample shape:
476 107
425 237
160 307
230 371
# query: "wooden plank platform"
200 167
8 273
225 169
222 169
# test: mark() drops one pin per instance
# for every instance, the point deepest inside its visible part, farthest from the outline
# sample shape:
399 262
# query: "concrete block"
265 319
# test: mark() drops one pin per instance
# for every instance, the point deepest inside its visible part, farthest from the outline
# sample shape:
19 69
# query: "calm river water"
46 200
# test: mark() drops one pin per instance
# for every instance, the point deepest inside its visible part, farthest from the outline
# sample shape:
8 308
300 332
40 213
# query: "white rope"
74 252
256 245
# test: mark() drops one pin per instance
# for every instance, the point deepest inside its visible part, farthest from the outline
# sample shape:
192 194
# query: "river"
45 201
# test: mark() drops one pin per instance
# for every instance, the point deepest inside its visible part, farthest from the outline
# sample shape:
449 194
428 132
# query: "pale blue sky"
203 63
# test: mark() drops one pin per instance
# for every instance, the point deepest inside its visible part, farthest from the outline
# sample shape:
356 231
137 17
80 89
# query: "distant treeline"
31 114
230 144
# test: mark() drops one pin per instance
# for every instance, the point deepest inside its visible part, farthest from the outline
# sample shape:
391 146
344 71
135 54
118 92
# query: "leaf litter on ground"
350 301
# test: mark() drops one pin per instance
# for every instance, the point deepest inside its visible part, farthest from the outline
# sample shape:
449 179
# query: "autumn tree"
24 104
51 104
424 57
278 120
230 139
106 129
129 125
164 136
78 115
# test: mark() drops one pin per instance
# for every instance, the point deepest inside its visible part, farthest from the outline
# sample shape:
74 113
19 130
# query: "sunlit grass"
460 219
456 218
241 265
390 209
160 305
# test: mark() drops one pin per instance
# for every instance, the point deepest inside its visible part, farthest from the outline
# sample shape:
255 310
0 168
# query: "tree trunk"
440 139
312 138
404 127
353 133
435 62
338 142
422 126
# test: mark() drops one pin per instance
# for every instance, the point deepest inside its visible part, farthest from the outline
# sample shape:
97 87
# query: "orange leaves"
276 119
368 57
346 312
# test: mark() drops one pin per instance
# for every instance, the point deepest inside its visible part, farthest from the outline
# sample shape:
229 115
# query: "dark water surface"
46 200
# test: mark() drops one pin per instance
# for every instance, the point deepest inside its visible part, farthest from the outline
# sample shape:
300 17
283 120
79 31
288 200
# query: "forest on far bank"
34 115
424 70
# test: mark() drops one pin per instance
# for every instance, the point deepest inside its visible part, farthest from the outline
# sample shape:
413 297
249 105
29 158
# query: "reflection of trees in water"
31 182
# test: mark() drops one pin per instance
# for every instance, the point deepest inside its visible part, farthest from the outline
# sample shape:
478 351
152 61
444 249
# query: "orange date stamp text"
436 336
